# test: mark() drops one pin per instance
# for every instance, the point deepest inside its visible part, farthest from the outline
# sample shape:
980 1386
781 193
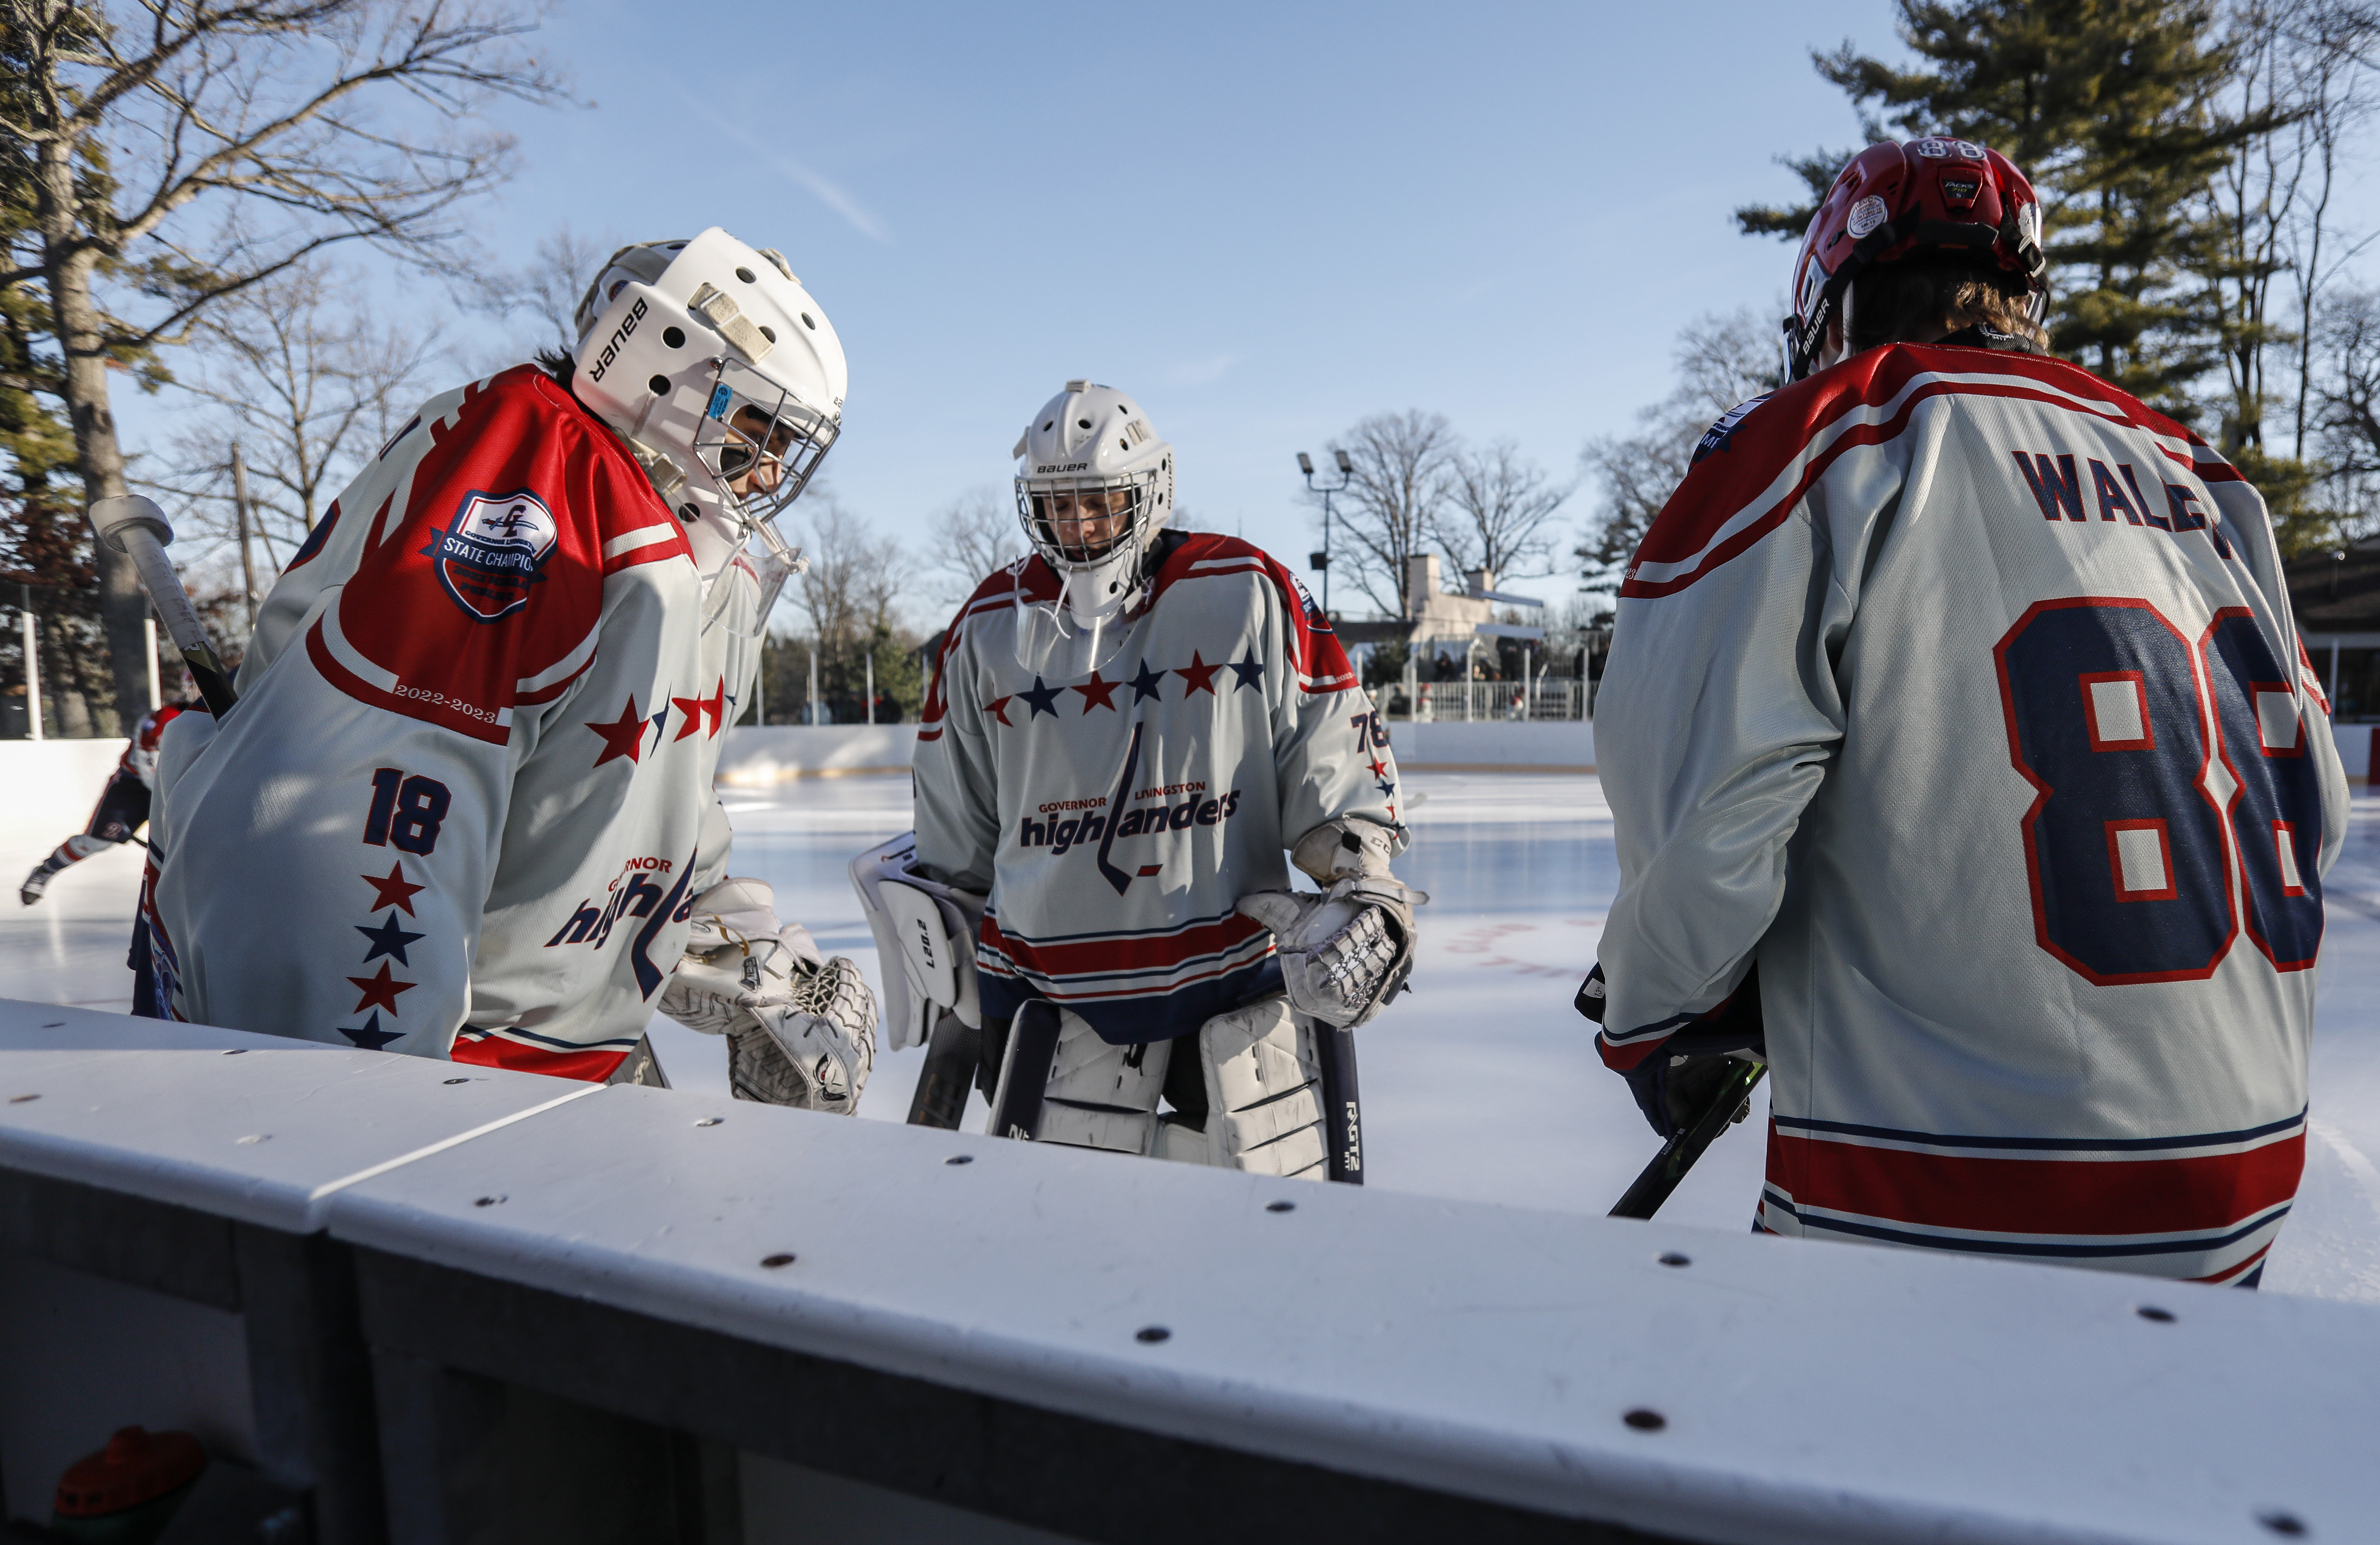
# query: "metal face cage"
1044 504
762 442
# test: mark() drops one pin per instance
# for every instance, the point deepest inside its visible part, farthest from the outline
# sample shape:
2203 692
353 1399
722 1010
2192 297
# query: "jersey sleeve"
1331 749
1717 715
958 820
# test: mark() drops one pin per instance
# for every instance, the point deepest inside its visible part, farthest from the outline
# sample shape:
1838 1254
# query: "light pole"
1321 560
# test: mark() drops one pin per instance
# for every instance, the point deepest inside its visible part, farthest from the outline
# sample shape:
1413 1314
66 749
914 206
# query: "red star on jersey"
1200 675
695 710
1097 693
393 889
998 708
624 736
380 990
1379 768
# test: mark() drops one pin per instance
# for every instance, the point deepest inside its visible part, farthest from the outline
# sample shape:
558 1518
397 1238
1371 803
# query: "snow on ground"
1483 1084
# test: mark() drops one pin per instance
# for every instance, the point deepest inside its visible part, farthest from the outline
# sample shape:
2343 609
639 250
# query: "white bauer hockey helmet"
1090 452
726 380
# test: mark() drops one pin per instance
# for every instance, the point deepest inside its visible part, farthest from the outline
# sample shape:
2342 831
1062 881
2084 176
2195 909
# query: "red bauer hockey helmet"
1894 200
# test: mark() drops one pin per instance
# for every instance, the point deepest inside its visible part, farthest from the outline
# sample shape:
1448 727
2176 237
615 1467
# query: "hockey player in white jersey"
1124 732
463 808
1958 693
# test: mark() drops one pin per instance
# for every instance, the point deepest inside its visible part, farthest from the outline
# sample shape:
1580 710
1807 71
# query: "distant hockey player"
464 807
1959 694
123 807
1129 828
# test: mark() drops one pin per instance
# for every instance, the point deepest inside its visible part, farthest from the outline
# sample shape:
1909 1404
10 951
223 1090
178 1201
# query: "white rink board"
1809 1391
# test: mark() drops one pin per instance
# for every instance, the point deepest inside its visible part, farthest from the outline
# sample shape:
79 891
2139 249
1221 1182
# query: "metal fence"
1473 701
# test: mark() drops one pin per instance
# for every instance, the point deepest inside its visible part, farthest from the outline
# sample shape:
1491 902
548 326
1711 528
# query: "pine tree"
2111 107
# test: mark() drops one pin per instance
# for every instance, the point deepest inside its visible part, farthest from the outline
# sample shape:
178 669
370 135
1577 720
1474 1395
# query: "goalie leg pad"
1264 1092
1101 1096
1090 1094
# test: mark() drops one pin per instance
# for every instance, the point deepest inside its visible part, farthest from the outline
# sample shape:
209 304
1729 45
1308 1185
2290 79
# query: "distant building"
2337 597
1443 623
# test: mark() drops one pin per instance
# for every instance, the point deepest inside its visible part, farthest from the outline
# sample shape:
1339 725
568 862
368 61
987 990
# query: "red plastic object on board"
136 1467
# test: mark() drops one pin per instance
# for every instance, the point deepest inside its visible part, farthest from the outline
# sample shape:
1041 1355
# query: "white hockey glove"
925 937
801 1029
1344 953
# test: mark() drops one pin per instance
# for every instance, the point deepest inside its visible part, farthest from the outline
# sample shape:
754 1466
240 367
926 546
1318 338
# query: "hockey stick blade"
1668 1167
135 526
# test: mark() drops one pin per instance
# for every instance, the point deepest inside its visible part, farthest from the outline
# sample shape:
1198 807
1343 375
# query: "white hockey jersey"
1950 688
1115 821
465 799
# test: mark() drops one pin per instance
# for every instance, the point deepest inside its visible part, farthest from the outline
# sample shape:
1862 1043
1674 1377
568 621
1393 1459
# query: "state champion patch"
489 555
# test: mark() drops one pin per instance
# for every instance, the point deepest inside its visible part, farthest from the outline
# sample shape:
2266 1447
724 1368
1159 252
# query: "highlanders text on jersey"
1116 813
464 799
1960 690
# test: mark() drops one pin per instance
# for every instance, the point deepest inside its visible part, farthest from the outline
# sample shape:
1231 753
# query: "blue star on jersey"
1042 699
368 1035
1146 684
1251 670
387 939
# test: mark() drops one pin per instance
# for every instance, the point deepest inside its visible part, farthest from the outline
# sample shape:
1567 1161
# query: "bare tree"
2303 66
2334 44
1500 505
122 117
1722 360
307 387
2346 423
855 580
1403 465
975 535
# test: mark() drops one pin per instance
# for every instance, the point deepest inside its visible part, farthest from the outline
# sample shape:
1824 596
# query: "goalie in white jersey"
1958 692
1124 732
463 808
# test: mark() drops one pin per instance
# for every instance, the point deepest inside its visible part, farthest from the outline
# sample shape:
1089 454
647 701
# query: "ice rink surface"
1483 1083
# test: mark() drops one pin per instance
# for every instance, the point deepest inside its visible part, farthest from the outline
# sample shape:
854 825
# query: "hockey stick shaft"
951 1054
1342 1103
1668 1167
136 528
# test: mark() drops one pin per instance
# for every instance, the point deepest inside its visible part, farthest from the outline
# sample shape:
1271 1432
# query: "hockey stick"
135 526
951 1054
1342 1106
1025 1072
1668 1167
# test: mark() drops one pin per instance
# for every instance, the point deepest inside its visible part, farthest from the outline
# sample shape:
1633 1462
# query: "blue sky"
1263 221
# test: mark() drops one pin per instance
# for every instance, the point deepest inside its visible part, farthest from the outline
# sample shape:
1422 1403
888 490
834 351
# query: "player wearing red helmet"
1964 763
1951 228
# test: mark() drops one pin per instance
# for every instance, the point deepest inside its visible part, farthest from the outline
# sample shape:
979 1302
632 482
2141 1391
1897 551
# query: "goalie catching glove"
800 1027
1347 950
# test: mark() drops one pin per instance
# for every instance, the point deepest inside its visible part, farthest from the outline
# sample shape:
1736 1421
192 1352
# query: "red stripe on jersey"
424 708
2237 1271
668 542
1723 483
2102 1197
1115 955
494 1050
